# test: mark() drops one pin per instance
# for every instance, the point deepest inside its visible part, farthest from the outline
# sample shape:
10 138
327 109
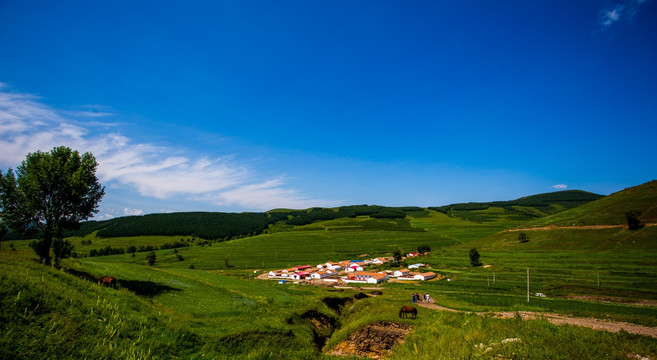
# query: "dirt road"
558 319
578 227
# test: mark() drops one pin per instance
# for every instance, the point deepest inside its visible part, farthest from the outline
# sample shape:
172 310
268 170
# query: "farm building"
300 275
425 276
401 272
319 275
416 266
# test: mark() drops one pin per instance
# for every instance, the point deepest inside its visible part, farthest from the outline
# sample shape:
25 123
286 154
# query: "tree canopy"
51 192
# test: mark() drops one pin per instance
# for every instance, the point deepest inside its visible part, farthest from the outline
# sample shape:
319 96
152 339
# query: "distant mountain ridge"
524 208
225 226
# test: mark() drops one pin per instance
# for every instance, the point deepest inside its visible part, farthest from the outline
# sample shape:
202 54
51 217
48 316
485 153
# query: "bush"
633 222
474 257
523 238
150 258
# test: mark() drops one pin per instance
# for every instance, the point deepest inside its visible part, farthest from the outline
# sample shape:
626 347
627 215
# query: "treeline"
207 225
546 203
221 226
108 250
304 217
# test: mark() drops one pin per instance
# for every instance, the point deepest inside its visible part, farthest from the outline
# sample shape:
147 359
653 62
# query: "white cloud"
156 171
560 186
265 195
620 10
130 212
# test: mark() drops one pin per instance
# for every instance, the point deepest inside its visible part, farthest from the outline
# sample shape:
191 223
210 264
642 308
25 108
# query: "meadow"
203 301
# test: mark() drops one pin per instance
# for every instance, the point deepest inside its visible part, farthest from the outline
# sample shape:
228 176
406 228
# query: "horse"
405 310
107 281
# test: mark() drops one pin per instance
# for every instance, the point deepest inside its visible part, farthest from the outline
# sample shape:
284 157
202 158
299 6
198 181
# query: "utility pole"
493 278
527 284
488 279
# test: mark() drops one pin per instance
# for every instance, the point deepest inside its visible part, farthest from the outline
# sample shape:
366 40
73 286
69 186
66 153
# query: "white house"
425 276
401 272
377 278
299 275
319 275
416 266
333 266
276 274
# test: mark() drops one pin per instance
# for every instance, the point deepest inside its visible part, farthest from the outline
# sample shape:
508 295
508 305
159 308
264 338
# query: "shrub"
474 257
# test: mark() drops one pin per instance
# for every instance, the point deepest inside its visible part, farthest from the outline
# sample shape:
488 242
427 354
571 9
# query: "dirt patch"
360 296
376 293
558 319
374 341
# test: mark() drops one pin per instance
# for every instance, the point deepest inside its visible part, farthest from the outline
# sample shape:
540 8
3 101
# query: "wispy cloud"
129 212
27 124
619 10
560 186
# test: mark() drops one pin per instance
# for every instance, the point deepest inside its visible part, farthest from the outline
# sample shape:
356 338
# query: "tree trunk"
45 249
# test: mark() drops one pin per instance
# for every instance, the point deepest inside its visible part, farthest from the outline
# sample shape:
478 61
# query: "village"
353 271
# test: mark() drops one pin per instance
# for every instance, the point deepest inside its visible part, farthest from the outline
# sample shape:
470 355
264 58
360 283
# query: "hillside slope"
610 209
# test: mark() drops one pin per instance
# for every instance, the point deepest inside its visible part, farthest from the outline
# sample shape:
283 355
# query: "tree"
3 232
522 237
51 192
61 249
633 222
151 257
474 257
423 249
397 255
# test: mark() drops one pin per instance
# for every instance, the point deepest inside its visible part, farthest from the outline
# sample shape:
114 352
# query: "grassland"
203 301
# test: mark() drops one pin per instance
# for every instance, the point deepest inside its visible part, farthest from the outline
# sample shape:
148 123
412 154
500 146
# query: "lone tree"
151 257
51 192
474 257
633 222
522 237
423 249
397 256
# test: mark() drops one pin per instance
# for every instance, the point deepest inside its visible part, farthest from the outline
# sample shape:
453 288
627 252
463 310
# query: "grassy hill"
519 210
610 209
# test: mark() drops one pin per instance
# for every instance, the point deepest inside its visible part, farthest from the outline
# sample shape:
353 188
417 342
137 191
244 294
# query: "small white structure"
402 272
319 275
425 276
416 266
377 278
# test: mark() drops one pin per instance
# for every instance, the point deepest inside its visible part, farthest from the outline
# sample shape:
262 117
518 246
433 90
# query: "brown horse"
107 281
406 310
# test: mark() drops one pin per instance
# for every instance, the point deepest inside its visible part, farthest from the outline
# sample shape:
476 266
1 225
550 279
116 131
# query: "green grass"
217 310
610 209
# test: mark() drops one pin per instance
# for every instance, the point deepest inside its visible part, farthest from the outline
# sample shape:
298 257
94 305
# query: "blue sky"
254 105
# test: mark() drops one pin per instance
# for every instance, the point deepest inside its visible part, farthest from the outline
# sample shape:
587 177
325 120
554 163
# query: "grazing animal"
406 310
107 281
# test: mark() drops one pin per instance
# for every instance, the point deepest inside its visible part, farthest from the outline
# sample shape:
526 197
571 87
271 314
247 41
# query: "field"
203 301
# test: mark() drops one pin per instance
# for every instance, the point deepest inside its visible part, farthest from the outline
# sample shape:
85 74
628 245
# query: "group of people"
417 298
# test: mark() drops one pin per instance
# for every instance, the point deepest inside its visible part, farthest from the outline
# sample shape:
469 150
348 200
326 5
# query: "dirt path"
558 319
579 227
